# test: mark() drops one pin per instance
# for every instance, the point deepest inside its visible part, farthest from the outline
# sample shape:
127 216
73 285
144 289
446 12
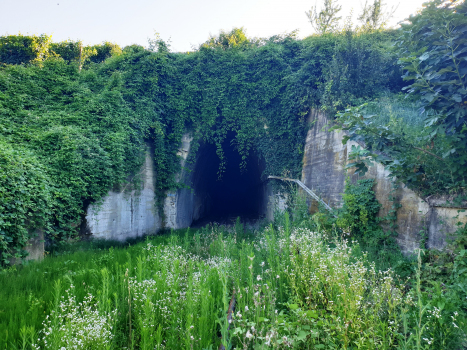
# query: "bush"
21 49
25 200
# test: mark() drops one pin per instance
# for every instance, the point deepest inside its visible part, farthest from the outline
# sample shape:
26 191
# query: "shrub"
25 200
21 49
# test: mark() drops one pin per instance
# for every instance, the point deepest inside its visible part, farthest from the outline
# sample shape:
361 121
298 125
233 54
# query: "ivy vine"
86 123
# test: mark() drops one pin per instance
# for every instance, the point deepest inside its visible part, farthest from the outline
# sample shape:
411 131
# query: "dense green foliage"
86 124
437 279
358 69
404 149
17 49
75 51
21 49
359 217
21 213
77 132
435 60
433 53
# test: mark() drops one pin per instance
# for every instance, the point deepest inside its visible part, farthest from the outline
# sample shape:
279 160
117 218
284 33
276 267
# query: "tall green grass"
294 288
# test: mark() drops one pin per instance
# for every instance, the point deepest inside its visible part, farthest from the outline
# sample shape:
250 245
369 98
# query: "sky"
186 23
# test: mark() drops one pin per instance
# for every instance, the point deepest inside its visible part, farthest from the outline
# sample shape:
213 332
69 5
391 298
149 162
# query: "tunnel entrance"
238 193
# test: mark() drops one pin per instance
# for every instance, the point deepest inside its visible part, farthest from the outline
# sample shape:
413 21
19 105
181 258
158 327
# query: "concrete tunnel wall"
129 213
133 213
207 197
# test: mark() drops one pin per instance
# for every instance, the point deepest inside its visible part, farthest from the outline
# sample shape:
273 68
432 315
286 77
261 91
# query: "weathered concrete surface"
444 218
35 247
324 161
276 203
126 214
179 206
412 212
130 214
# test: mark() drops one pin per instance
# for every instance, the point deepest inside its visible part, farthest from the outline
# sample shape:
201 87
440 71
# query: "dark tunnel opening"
238 193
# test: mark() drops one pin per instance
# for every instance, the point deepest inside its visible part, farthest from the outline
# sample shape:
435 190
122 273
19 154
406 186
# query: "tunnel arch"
237 193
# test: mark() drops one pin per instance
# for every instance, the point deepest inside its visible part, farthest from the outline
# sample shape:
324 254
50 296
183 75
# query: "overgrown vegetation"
294 286
75 122
433 54
86 124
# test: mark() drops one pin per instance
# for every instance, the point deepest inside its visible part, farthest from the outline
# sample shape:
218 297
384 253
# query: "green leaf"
302 335
429 97
424 57
451 151
293 306
351 165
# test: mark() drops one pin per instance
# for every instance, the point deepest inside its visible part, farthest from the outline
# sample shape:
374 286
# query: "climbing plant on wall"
86 125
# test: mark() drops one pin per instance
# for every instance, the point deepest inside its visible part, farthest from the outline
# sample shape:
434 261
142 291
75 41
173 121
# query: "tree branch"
427 152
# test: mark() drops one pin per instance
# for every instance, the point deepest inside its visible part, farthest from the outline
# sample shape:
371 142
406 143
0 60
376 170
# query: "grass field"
293 288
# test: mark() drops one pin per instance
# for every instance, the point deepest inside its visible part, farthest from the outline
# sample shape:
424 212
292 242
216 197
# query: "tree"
433 53
104 51
234 39
434 56
73 51
157 44
376 16
326 20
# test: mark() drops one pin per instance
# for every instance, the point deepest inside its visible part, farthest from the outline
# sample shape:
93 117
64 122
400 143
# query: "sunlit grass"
293 288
